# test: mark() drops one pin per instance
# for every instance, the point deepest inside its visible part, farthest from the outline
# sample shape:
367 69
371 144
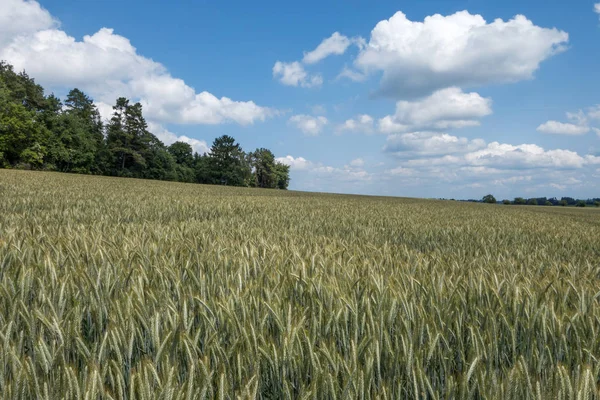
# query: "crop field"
130 289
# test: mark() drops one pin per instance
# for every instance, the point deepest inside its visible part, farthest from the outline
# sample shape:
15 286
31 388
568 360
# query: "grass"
122 288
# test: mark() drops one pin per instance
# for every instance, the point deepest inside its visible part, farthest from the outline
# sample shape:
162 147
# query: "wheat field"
131 289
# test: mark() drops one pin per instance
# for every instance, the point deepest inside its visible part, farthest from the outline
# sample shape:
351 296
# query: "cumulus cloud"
336 44
357 163
308 124
594 112
361 123
295 163
20 17
461 49
579 124
107 65
168 138
294 74
351 74
466 165
444 109
524 155
429 144
426 149
561 128
424 165
400 171
320 173
597 8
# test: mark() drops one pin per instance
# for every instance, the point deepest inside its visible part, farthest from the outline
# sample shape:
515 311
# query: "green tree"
489 199
282 175
159 163
202 168
532 202
183 156
34 155
228 163
128 139
563 203
22 89
505 201
263 165
519 201
23 135
79 105
71 148
77 139
580 203
182 153
19 131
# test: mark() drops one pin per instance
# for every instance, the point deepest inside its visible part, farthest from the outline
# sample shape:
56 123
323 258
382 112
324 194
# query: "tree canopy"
488 198
42 132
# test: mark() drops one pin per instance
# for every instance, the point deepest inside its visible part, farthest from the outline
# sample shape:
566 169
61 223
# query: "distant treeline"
43 132
540 201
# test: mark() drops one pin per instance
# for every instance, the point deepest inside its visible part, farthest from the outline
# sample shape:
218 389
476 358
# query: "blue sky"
444 98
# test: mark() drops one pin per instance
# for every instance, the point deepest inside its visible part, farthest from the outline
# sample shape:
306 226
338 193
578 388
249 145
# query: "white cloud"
426 149
594 111
461 49
560 128
357 162
401 171
511 180
352 75
597 131
597 8
295 163
293 74
168 138
444 109
579 124
524 155
502 169
320 173
20 17
107 66
174 101
336 44
310 125
361 123
429 144
105 110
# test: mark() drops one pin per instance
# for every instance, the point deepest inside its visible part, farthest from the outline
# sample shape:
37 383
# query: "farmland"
123 288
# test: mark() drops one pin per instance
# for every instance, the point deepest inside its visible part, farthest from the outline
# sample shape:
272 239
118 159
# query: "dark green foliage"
580 203
532 202
519 201
183 156
228 163
489 199
41 132
282 175
505 202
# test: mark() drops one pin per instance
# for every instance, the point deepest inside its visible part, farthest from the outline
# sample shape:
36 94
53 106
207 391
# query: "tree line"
543 201
43 132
